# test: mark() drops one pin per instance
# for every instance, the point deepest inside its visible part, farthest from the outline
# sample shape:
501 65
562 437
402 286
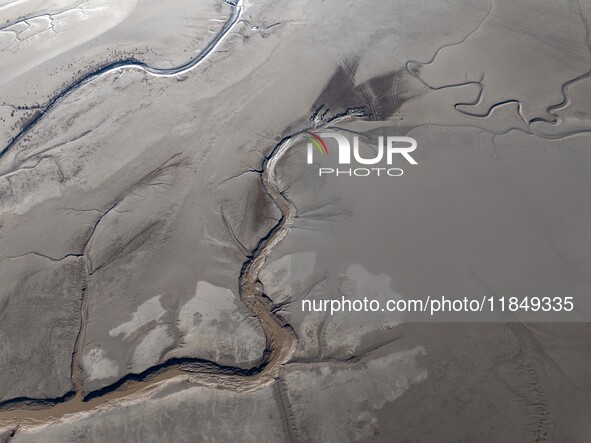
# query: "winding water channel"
279 337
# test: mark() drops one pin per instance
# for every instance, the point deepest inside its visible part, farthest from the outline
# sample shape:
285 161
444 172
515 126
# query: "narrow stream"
280 338
237 11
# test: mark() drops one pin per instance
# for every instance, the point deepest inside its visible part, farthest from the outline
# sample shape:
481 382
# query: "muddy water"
280 339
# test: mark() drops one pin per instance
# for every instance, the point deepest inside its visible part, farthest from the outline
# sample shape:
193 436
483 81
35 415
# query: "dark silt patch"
382 95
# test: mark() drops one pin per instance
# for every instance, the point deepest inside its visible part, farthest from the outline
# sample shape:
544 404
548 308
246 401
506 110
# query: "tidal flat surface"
160 225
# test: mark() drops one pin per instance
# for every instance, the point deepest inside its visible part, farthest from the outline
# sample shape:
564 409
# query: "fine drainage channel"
280 338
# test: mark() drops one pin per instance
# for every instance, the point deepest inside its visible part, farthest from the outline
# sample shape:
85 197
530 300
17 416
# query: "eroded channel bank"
279 336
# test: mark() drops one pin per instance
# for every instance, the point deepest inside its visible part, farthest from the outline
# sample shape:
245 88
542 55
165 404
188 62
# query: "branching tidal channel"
280 338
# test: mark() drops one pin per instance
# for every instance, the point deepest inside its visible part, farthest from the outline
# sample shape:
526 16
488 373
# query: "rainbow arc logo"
318 142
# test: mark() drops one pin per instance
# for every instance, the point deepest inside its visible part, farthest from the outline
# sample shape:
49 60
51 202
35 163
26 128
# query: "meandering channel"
279 336
237 11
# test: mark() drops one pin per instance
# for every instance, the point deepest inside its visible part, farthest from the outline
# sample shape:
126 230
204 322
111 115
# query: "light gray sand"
135 201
